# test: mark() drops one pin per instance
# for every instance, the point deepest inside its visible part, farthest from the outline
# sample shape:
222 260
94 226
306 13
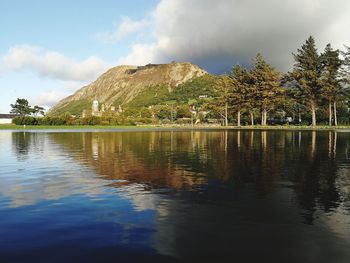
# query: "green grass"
109 127
194 88
62 127
291 127
150 96
182 94
74 107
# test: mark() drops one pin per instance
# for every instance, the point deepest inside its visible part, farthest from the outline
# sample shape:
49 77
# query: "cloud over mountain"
217 34
212 34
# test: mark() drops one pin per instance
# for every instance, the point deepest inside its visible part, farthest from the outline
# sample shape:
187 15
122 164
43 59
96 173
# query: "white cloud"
124 29
48 98
217 34
52 64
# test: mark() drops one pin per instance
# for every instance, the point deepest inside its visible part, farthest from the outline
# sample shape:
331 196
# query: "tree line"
317 79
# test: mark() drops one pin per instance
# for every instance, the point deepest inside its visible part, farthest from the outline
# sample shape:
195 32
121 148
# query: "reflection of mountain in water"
182 160
159 159
247 188
192 160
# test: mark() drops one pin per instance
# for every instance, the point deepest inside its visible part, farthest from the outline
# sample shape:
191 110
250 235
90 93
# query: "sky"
50 49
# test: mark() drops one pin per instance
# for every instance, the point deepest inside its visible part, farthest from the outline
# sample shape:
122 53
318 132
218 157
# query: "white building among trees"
6 118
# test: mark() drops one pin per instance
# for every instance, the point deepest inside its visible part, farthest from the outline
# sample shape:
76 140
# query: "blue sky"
67 27
49 49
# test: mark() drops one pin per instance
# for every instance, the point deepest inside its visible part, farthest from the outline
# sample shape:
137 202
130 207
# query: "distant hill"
140 86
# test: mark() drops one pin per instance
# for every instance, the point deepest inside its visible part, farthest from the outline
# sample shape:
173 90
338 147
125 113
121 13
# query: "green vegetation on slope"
182 94
74 107
153 95
202 86
150 96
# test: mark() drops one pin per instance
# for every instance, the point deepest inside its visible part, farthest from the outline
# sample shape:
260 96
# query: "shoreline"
65 128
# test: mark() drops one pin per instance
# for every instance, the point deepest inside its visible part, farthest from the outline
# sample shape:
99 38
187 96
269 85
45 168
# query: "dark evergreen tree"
345 70
331 86
38 110
21 107
267 88
222 104
239 99
306 75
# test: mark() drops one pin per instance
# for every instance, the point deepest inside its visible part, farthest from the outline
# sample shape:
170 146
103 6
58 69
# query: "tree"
38 110
21 107
250 95
164 112
145 113
345 70
238 96
223 88
183 111
346 64
267 88
331 85
306 75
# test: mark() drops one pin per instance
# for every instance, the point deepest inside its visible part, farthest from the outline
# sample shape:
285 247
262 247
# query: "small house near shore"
6 118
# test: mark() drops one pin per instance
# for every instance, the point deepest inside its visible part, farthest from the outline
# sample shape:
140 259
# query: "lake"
175 196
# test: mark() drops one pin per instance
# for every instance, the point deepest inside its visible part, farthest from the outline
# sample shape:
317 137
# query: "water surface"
175 196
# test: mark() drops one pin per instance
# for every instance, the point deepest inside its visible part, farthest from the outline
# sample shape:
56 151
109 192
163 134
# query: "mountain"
134 86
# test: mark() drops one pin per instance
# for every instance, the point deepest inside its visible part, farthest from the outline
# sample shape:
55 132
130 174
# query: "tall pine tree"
239 99
306 75
21 107
345 71
222 104
331 85
266 82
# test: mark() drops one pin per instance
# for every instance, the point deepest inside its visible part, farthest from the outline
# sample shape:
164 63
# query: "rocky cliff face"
123 83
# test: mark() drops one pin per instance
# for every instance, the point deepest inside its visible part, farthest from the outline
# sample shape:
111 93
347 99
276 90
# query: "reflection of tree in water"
263 161
250 189
239 158
21 144
160 158
308 159
315 173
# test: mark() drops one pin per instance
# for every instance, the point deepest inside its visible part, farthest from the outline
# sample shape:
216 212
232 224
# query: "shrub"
165 121
140 121
55 121
52 121
183 111
184 121
104 123
25 120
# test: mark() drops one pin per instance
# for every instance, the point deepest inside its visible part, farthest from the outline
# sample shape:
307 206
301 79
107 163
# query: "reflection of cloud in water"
5 138
141 199
224 187
30 191
94 145
50 173
30 187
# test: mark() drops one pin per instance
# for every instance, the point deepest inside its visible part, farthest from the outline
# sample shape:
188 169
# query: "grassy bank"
62 127
105 127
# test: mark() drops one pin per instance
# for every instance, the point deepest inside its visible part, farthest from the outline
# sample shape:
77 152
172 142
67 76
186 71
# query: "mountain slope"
122 84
